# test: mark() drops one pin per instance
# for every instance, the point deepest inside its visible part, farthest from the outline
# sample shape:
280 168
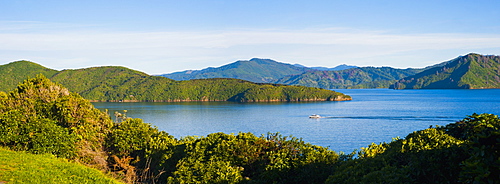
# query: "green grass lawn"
20 167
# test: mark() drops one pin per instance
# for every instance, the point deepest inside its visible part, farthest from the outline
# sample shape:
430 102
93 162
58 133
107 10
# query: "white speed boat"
315 116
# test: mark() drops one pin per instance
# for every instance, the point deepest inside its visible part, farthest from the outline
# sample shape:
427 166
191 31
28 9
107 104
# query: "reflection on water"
374 115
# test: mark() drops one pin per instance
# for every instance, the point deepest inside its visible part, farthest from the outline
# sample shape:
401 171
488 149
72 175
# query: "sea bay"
374 115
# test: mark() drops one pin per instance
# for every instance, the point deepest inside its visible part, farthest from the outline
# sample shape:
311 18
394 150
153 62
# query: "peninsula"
121 84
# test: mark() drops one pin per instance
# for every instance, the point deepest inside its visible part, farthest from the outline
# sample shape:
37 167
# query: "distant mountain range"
269 71
339 67
472 71
361 77
254 70
120 84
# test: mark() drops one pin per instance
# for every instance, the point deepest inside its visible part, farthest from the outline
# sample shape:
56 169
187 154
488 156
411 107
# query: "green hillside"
472 71
120 84
21 167
13 73
362 77
255 70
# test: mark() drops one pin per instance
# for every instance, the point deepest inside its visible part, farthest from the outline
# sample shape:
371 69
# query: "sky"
163 36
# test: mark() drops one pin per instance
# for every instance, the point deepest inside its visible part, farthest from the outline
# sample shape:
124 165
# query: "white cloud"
226 39
191 50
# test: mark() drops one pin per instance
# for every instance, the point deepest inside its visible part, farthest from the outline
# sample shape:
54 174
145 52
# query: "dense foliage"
45 118
472 71
120 84
362 77
255 70
463 152
223 158
154 156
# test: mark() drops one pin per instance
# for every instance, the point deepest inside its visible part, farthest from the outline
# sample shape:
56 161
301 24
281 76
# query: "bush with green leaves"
481 133
36 135
3 95
466 151
138 150
228 158
43 117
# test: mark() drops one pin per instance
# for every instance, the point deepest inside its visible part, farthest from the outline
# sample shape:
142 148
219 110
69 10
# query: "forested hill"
255 70
472 71
112 83
13 73
362 77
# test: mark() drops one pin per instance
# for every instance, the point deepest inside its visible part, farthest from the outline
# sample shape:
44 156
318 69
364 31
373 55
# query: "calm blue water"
374 115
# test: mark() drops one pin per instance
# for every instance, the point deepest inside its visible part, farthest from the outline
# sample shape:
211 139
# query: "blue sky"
165 36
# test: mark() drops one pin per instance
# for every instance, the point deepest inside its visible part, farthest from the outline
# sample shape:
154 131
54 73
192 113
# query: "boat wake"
400 118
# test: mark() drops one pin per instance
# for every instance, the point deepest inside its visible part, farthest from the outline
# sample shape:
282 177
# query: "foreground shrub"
36 135
466 151
482 135
138 150
229 158
40 116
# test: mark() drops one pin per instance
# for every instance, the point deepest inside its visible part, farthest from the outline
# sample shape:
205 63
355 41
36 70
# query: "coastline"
207 100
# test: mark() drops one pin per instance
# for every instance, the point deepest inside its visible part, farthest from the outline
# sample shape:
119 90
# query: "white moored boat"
315 116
